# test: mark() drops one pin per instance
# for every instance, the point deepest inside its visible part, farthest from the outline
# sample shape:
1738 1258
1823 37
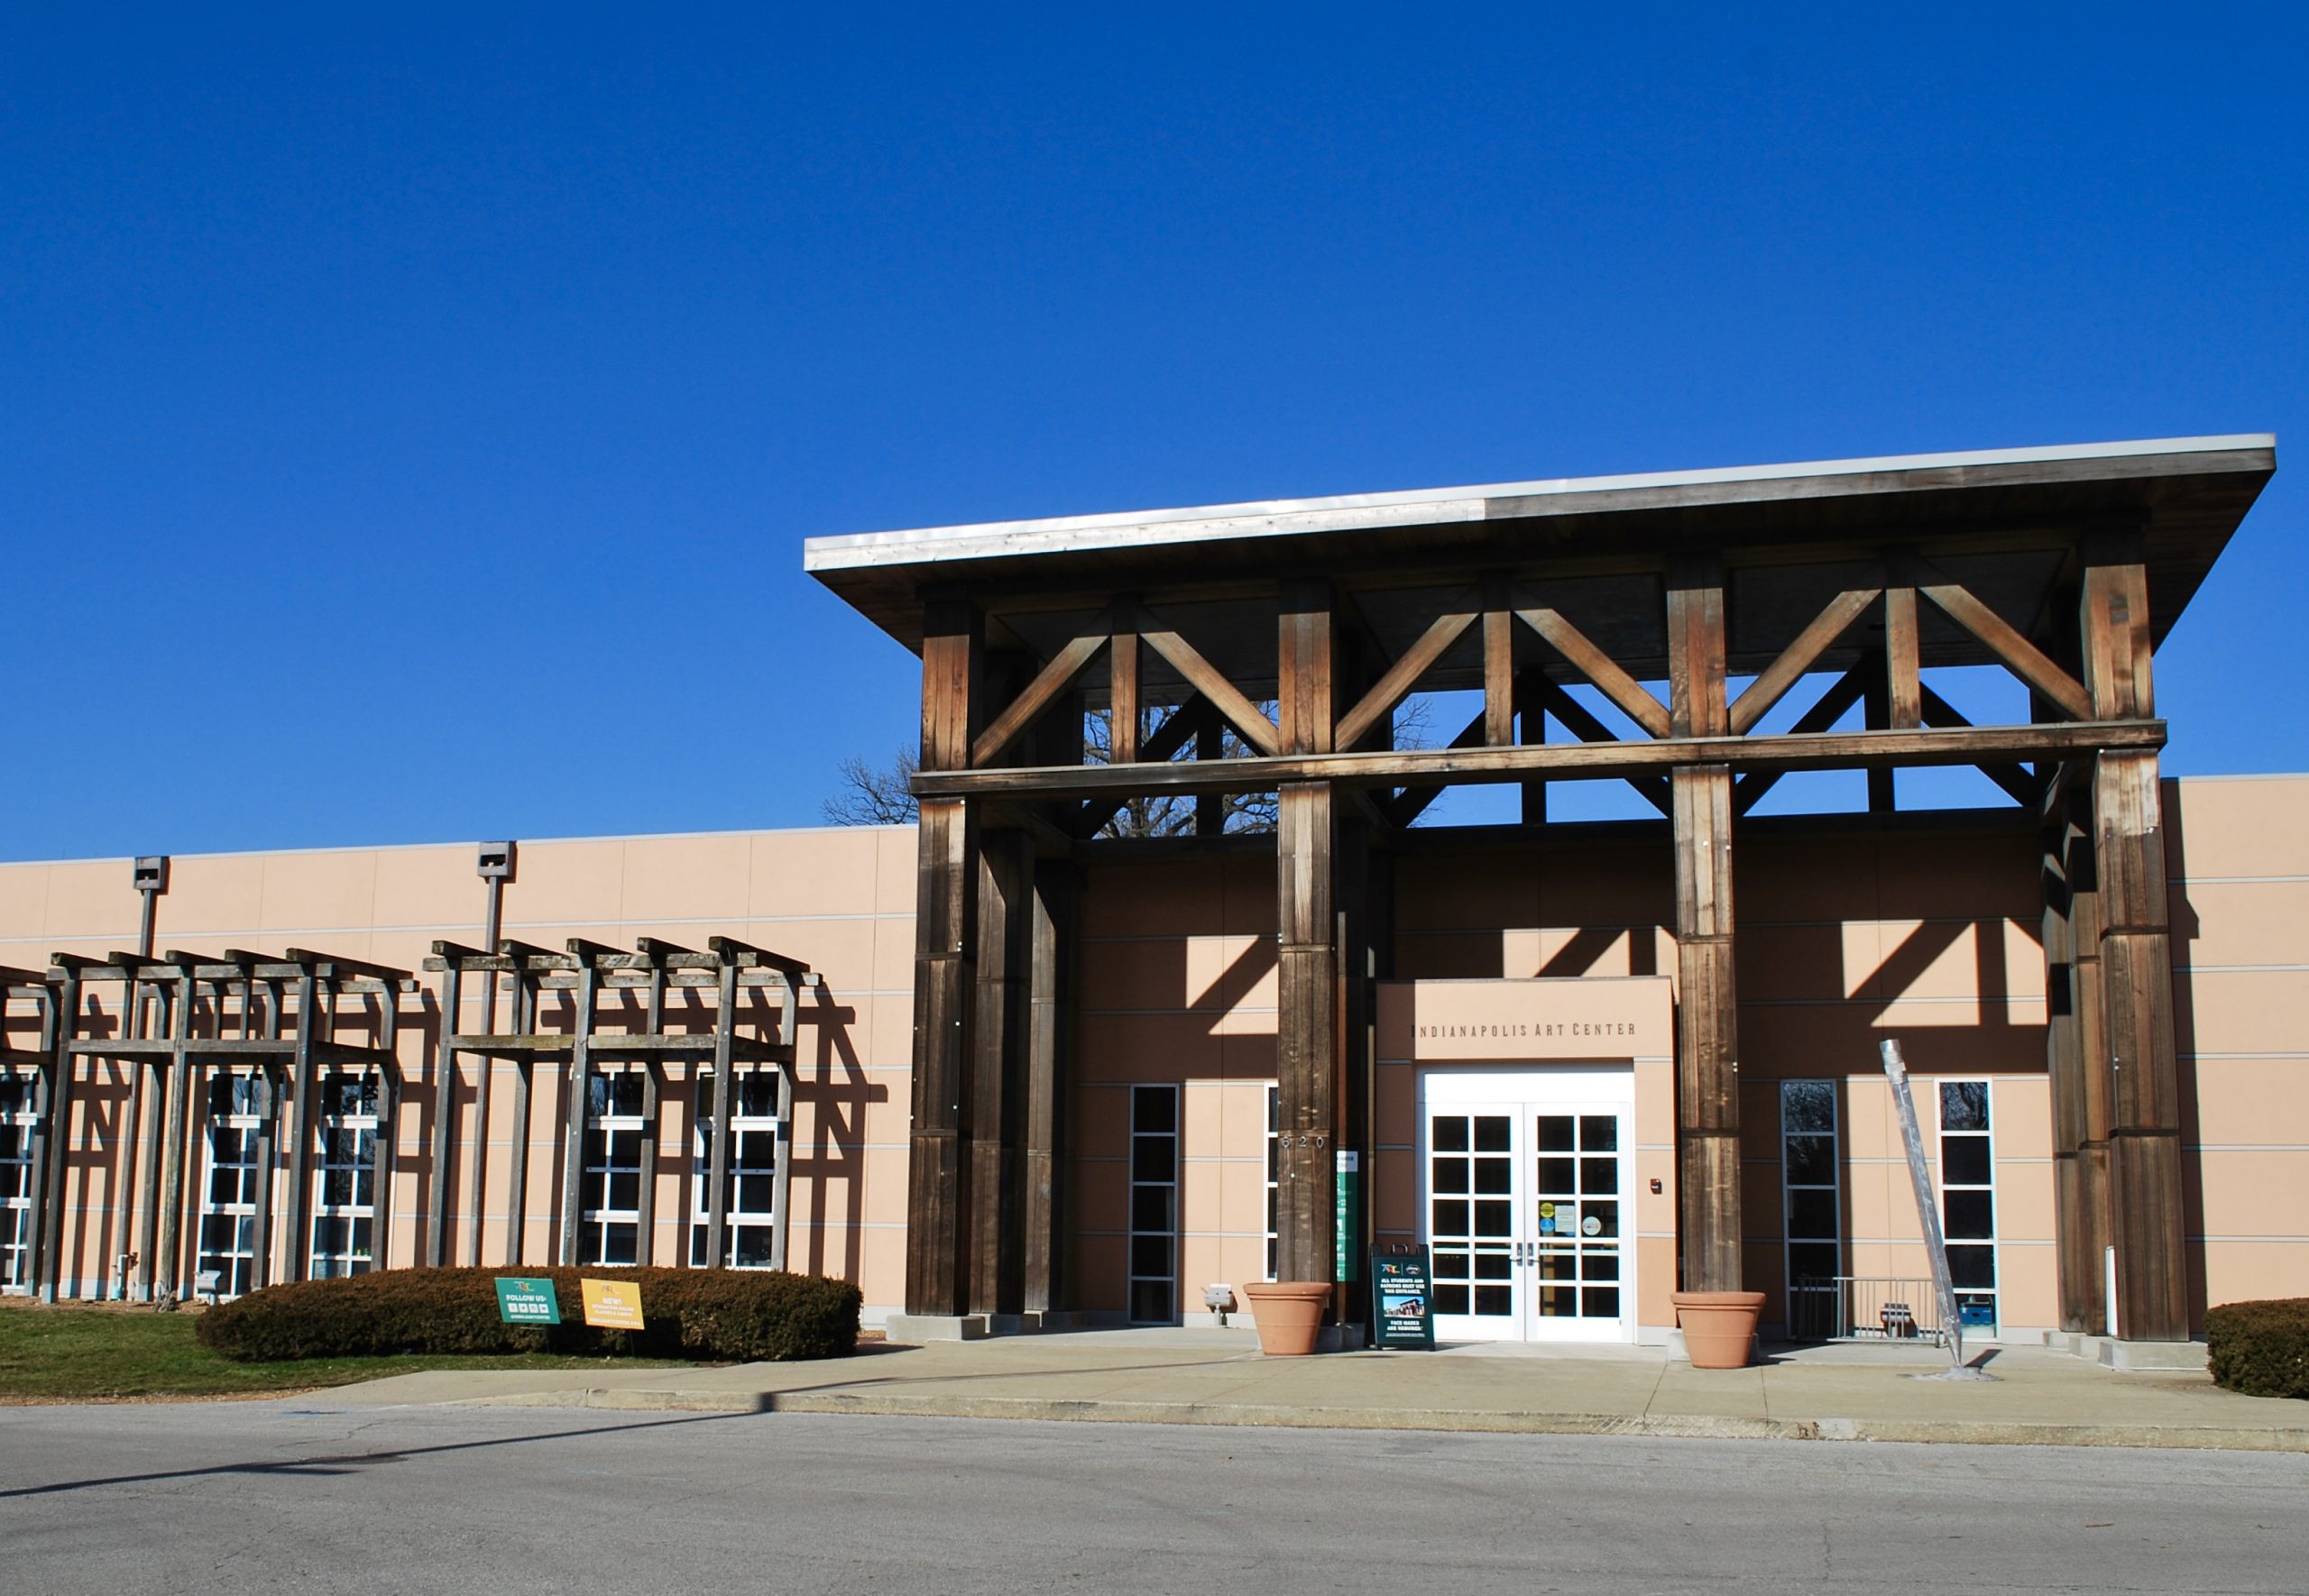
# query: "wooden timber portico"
1669 625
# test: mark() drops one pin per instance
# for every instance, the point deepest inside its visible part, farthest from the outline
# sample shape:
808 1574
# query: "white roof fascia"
1419 507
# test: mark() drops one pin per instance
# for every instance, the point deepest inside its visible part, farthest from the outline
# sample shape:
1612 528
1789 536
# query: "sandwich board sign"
523 1300
612 1305
1402 1296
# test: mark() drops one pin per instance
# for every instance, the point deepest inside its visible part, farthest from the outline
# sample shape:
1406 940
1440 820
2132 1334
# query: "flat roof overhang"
2186 496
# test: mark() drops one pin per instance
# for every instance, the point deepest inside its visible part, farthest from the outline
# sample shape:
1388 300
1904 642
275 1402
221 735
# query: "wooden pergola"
586 971
277 1016
1691 604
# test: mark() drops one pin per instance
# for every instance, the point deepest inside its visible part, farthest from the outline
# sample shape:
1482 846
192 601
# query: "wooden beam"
1169 739
1391 767
998 1070
936 1235
1247 719
1306 1055
1412 802
1844 692
2013 777
1707 1096
1052 680
1050 1008
1498 663
1392 688
1555 699
1903 703
1599 668
1122 698
1798 657
2146 1183
2000 637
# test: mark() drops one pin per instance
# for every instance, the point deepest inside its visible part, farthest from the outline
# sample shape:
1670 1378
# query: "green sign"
1349 1213
1402 1296
525 1300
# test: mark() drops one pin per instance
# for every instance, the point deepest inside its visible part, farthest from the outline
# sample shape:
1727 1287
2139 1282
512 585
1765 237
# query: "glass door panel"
1575 1223
1471 1217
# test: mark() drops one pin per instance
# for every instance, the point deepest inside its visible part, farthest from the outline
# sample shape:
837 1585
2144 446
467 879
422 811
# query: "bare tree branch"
875 795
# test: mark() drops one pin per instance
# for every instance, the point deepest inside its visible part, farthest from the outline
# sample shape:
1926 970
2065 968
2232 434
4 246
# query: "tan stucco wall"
1931 938
842 899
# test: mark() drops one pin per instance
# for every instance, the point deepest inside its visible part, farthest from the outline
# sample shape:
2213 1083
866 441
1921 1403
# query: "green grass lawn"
96 1354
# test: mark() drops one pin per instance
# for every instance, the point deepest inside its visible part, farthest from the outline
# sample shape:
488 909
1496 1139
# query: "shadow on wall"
2182 916
836 1088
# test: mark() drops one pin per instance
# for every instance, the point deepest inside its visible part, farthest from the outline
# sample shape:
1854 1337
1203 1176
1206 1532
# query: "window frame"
619 1129
748 1129
19 1203
359 1216
1789 1240
1992 1292
1134 1277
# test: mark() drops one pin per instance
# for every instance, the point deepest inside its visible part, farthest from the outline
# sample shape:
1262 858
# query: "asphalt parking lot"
300 1495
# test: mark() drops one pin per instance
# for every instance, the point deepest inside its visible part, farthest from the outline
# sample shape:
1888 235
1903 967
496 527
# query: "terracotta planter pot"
1289 1315
1719 1326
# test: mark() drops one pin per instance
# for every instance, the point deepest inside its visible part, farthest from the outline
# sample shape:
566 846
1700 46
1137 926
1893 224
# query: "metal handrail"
1866 1307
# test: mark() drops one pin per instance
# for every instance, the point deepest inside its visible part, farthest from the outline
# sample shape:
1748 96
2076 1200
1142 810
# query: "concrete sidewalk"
1195 1376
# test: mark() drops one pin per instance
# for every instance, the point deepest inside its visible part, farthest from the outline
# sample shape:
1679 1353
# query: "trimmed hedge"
721 1314
2260 1348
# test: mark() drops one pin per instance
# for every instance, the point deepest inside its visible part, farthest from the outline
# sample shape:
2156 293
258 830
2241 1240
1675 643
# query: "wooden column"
1050 1026
303 1089
2076 1063
781 1201
445 1121
48 1262
1707 1068
164 1221
1306 1043
999 1032
268 1141
2135 956
936 1283
577 1111
524 1001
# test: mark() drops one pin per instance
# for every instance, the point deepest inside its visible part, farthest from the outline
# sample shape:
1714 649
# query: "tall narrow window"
609 1213
1812 1213
345 1178
1273 1171
1968 1199
17 1120
236 1104
752 1185
1155 1204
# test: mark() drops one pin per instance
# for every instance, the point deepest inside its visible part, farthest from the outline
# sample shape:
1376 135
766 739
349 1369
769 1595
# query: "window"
608 1189
345 1178
237 1108
1968 1199
18 1119
1811 1210
1273 1171
752 1189
1155 1204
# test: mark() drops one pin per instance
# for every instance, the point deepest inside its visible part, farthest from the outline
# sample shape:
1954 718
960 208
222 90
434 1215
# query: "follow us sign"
523 1300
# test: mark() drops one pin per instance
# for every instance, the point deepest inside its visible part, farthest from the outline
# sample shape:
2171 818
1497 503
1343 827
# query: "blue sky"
322 328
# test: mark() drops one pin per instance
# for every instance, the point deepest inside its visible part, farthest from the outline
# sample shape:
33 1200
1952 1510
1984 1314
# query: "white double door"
1527 1196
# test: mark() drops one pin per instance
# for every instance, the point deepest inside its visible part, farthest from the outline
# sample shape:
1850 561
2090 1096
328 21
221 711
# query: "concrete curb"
1487 1421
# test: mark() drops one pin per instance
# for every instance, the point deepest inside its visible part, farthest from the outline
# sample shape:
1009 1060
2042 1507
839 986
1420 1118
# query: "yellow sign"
612 1305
